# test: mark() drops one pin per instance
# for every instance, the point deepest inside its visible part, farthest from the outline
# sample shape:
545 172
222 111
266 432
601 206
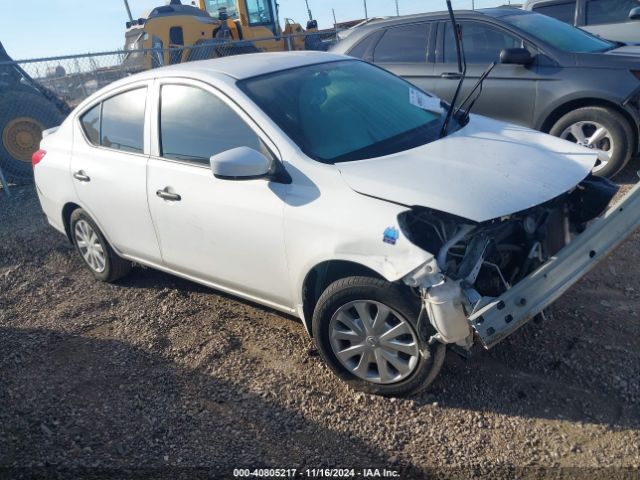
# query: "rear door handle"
80 175
451 75
165 195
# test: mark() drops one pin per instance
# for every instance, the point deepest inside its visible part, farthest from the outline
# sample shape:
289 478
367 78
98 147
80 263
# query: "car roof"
490 12
363 31
242 66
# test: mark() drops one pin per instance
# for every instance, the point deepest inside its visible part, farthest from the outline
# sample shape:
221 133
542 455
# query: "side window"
609 11
565 11
91 124
361 48
259 12
195 125
123 121
403 44
482 43
176 36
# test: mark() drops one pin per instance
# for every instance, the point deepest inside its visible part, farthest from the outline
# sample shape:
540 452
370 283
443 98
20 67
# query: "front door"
509 93
228 233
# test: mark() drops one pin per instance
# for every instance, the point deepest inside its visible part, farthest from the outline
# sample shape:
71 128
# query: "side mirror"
242 163
515 56
634 14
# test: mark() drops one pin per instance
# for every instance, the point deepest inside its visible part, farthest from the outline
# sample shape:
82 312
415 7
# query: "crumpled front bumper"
500 317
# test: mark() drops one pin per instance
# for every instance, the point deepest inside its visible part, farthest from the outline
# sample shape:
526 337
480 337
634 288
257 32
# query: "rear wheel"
601 129
23 117
366 331
94 249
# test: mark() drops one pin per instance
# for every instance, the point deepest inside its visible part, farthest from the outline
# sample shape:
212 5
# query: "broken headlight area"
477 260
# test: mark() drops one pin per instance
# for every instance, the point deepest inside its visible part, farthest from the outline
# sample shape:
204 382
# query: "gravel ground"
161 375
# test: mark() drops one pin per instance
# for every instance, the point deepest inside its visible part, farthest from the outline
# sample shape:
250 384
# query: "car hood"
484 171
626 56
628 50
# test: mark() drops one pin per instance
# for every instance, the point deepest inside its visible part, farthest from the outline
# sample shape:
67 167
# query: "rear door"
109 168
404 50
509 93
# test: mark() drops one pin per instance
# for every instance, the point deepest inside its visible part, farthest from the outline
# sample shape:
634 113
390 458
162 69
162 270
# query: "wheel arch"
549 121
324 274
67 210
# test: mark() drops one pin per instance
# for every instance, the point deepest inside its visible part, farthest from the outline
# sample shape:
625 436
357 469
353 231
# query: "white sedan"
327 188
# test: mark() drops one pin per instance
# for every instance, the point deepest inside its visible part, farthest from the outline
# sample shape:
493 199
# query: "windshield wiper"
478 87
462 68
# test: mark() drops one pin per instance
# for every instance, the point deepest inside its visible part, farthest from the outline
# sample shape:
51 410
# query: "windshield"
214 6
558 34
346 110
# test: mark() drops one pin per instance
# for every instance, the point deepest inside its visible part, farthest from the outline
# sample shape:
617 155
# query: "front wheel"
366 331
601 129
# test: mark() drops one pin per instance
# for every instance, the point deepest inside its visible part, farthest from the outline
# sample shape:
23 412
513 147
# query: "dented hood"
484 171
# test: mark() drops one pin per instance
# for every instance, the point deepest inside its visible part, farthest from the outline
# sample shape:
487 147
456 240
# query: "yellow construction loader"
174 30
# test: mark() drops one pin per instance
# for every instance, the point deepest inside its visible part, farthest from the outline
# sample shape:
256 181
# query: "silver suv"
611 19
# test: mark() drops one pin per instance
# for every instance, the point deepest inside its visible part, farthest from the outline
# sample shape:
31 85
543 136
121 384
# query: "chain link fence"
37 94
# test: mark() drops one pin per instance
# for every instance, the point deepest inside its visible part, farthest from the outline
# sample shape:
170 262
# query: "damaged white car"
332 190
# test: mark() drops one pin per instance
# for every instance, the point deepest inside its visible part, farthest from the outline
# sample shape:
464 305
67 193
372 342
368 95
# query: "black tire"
621 134
115 267
397 298
39 112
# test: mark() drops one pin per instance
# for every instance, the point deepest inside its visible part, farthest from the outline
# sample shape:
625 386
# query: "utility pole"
335 22
397 9
366 14
126 5
473 4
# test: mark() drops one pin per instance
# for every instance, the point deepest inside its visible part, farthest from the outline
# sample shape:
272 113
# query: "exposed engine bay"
477 260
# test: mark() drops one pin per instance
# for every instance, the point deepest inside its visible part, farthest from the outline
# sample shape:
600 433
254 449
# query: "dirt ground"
159 377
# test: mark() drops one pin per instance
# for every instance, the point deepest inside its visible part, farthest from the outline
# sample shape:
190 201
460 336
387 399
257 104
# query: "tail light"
37 156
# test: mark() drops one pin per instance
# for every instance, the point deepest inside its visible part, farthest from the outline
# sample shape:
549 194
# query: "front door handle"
451 75
80 175
165 195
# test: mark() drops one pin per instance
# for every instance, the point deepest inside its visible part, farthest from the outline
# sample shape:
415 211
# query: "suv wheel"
365 330
94 249
601 129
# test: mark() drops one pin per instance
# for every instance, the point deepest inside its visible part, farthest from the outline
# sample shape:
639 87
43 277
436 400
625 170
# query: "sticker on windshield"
391 235
422 100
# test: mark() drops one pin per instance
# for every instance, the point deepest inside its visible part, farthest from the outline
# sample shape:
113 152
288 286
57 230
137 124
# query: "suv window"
364 48
482 43
609 11
195 125
403 44
565 11
91 124
122 126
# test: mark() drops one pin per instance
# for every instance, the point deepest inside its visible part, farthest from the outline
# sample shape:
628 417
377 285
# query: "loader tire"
23 117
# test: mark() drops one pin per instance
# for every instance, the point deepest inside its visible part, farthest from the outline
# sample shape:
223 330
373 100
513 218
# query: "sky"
44 28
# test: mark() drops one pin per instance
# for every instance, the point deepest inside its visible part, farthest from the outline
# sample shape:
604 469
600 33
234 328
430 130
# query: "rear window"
565 12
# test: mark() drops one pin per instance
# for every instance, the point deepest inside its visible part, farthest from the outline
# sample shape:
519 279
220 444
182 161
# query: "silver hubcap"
592 135
90 247
373 342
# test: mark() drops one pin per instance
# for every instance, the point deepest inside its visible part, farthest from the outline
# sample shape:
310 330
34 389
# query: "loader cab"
168 30
254 19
